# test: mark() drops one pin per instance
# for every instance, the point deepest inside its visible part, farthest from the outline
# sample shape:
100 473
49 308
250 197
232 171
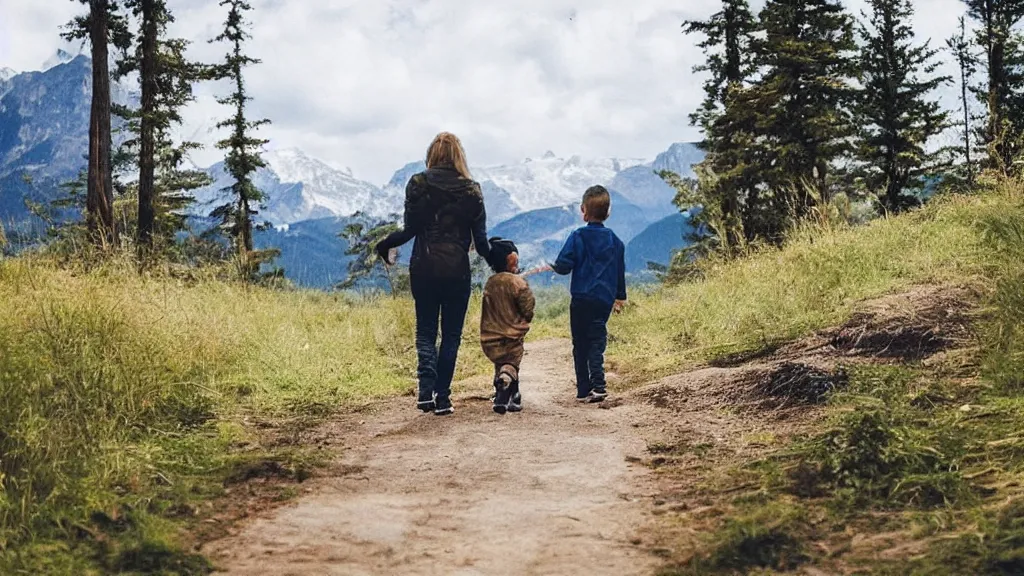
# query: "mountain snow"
552 181
298 187
6 74
60 57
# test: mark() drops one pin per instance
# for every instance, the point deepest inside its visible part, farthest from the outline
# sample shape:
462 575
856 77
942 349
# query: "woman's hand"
619 306
388 255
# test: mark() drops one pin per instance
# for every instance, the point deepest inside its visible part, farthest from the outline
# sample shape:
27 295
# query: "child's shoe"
516 403
502 393
594 396
443 407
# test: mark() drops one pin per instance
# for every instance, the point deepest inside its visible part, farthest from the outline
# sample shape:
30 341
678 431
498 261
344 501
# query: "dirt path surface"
547 491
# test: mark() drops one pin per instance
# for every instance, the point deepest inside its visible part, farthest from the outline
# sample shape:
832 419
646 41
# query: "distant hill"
658 242
540 234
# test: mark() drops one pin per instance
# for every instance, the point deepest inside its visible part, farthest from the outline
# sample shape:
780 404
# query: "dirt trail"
547 491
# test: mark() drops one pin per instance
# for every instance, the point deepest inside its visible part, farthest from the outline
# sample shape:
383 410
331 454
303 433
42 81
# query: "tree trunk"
100 186
967 120
147 129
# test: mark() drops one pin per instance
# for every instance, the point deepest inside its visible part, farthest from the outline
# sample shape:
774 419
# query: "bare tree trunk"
147 137
967 121
100 186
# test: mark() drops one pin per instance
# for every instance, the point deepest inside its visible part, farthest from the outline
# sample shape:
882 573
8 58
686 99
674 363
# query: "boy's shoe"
502 393
443 407
583 399
425 403
595 395
516 403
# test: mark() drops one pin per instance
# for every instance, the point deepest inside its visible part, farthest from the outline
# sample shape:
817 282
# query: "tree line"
804 102
152 203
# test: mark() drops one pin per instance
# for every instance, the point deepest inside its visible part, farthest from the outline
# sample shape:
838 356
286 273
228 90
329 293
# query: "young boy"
504 321
595 257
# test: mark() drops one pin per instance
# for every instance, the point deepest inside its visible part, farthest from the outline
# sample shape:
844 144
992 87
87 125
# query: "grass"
777 295
929 455
125 397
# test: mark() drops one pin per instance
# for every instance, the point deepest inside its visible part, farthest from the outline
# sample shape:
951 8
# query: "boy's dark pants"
448 299
588 321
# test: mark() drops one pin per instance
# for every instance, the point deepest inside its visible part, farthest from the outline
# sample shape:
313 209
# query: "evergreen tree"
894 112
960 46
1004 68
727 128
243 149
801 104
165 185
362 241
102 26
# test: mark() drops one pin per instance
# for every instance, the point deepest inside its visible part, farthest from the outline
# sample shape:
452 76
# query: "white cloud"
367 83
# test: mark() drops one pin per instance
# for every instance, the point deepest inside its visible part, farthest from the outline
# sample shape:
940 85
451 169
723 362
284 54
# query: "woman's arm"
411 219
479 230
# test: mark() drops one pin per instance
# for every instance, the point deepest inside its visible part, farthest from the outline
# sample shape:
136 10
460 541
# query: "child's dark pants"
588 321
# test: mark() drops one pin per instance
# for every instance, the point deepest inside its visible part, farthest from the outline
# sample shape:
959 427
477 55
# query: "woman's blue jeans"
447 300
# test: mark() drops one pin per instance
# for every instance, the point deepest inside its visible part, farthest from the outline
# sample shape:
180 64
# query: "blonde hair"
446 150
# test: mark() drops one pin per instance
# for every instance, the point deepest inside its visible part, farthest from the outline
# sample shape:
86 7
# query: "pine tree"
728 35
243 149
894 112
1002 60
167 77
960 46
362 240
801 103
102 26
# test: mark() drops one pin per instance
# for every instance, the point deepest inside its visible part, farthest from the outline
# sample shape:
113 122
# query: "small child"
504 321
596 258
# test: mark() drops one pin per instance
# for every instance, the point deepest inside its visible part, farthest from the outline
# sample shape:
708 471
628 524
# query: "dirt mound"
793 383
911 326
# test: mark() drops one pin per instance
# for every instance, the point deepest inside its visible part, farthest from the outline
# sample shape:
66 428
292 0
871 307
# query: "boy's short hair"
597 202
500 251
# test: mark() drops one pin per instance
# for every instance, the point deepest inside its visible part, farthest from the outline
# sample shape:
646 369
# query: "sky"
366 84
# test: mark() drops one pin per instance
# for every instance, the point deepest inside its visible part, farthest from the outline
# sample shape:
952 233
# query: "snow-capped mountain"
44 124
60 57
298 188
6 74
550 180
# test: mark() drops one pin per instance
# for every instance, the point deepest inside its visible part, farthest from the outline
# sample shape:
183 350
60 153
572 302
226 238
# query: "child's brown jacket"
507 309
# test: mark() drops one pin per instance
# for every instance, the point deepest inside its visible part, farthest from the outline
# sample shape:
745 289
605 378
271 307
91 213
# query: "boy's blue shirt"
596 258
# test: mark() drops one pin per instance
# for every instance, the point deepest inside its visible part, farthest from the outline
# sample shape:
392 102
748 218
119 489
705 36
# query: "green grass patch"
768 538
814 282
125 396
930 454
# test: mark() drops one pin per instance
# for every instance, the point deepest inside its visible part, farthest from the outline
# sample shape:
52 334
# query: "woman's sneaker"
443 407
425 403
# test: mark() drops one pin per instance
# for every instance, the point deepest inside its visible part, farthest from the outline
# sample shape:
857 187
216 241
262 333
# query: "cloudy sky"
367 83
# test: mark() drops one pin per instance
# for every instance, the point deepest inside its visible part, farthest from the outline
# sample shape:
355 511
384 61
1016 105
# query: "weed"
768 538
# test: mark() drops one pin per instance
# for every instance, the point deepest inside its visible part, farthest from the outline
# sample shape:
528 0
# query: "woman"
444 212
